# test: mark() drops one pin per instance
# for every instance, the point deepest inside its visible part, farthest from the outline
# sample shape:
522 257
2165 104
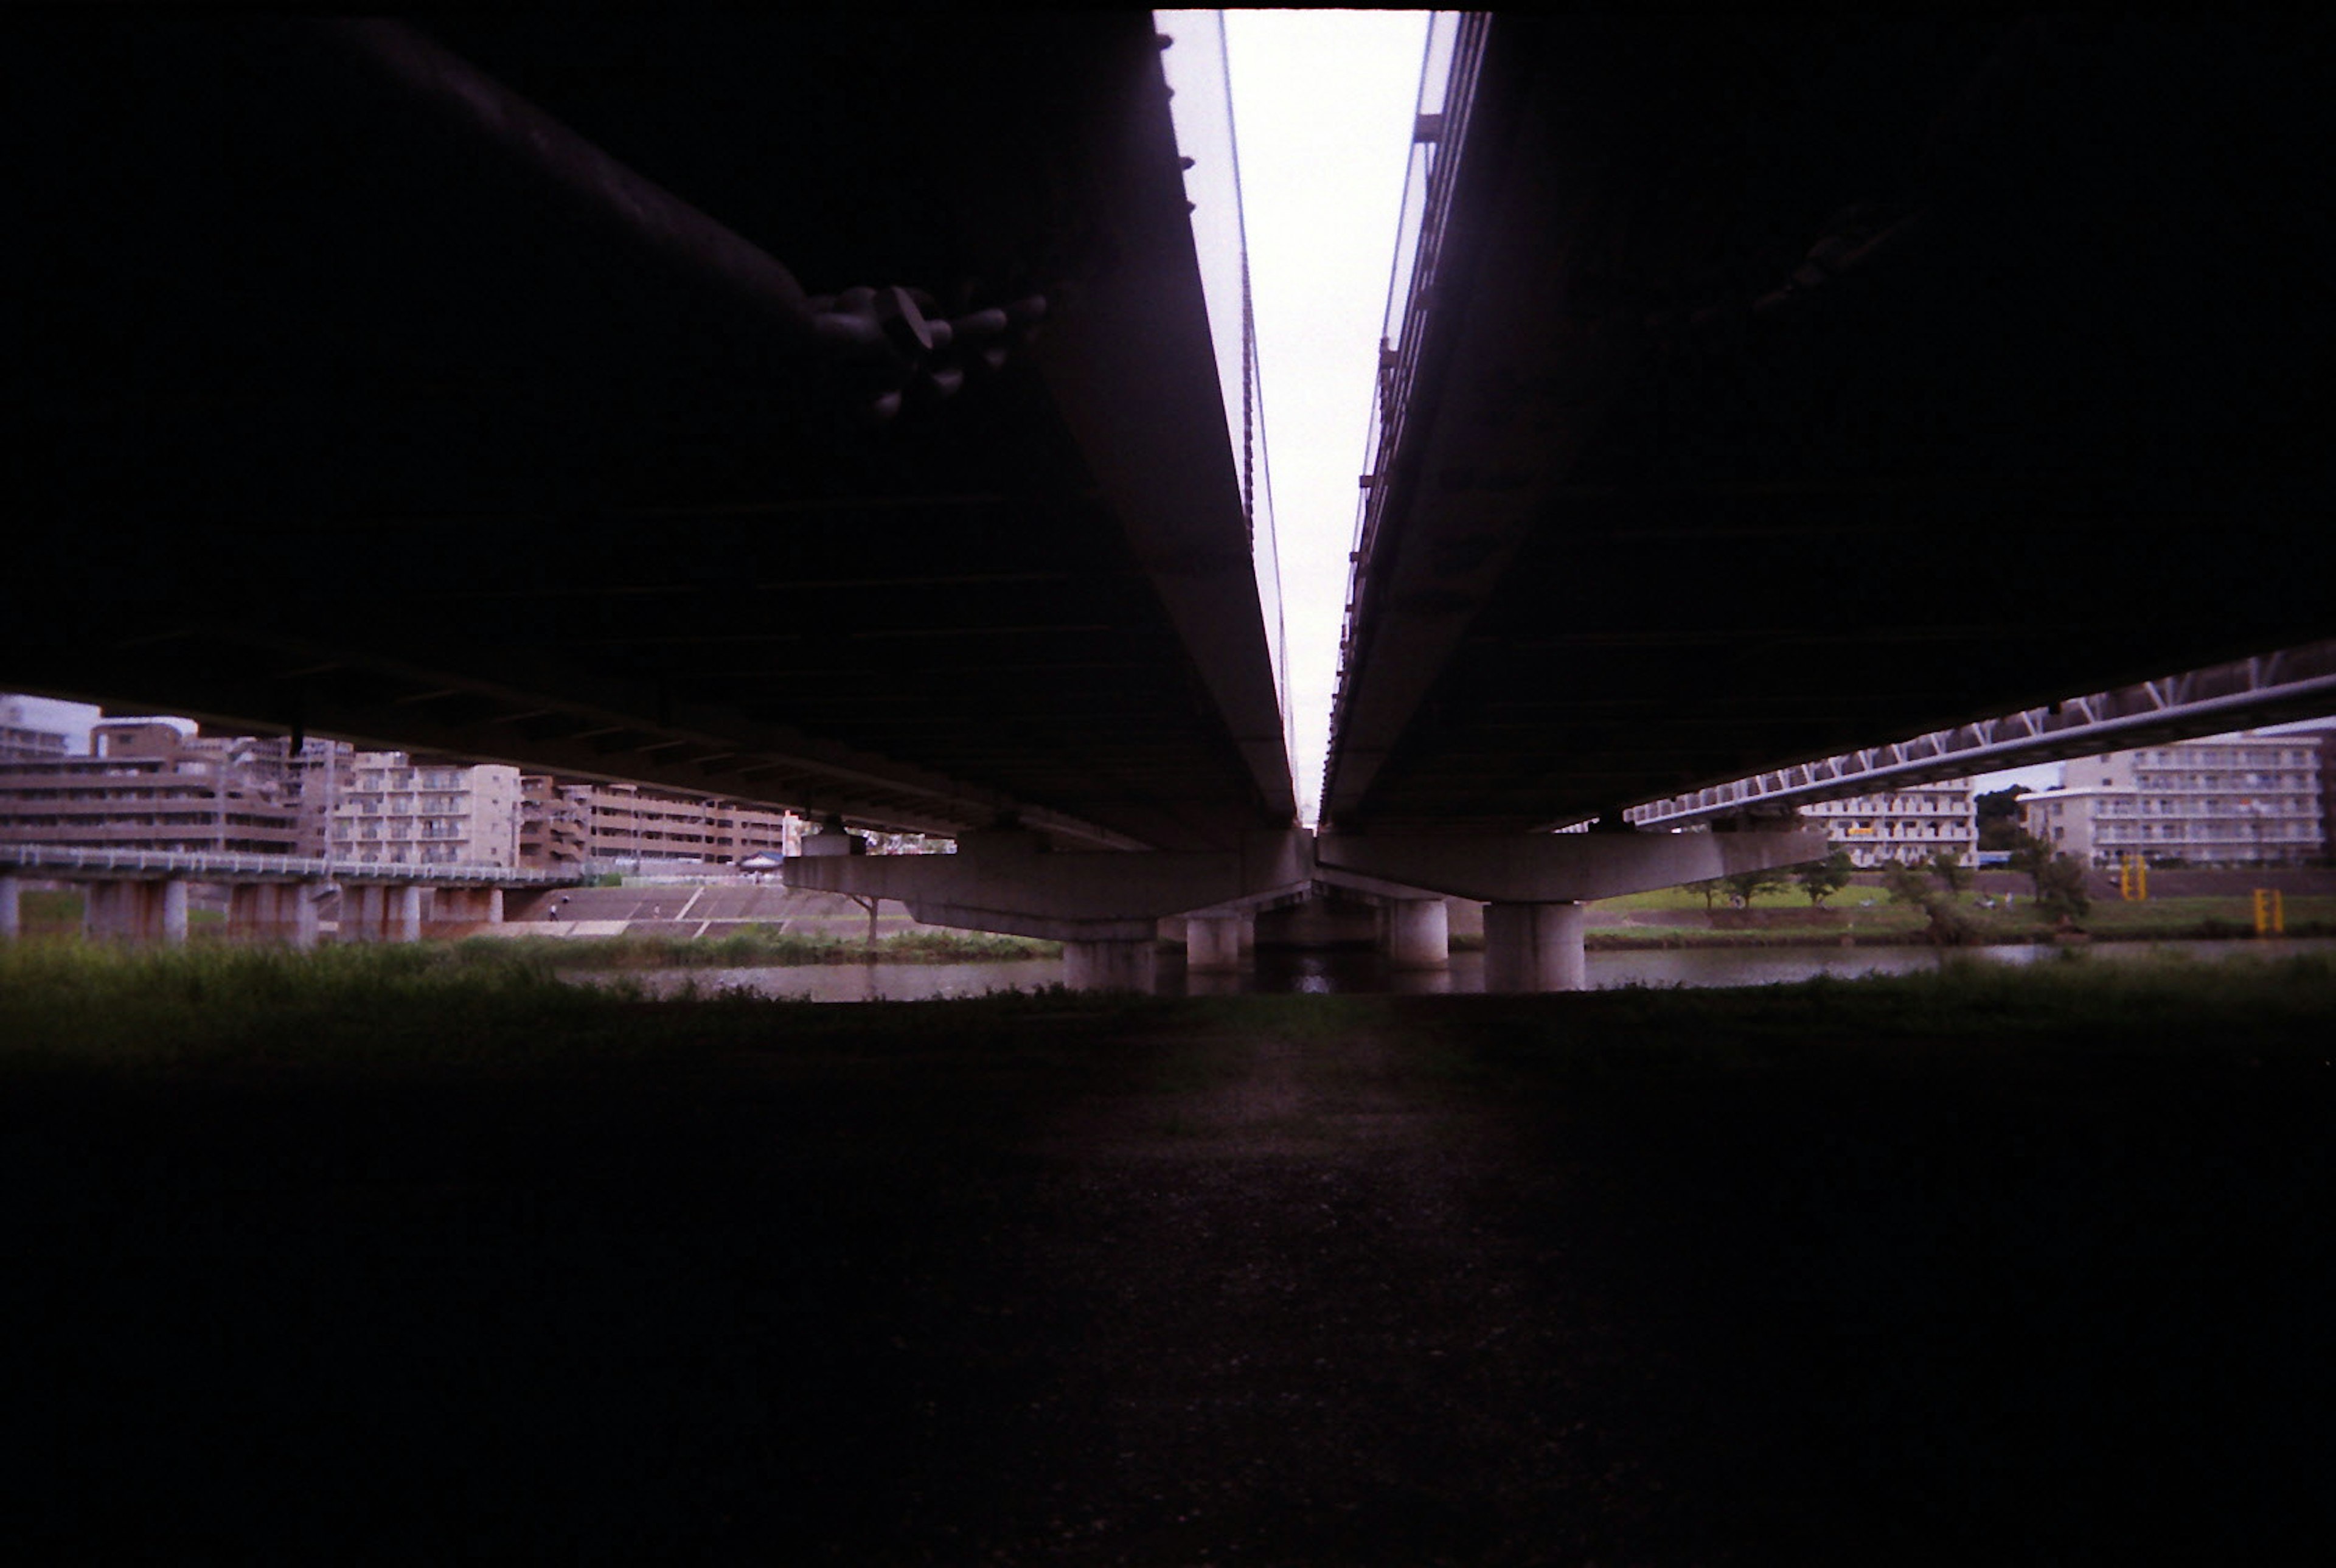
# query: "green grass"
761 947
436 1006
1846 915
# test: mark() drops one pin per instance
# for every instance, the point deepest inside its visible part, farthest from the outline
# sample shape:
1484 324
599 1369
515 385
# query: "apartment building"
151 785
387 808
555 824
22 740
1909 825
2228 800
628 826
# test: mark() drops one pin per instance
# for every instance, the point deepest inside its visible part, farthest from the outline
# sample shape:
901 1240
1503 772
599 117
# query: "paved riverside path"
1285 1281
688 910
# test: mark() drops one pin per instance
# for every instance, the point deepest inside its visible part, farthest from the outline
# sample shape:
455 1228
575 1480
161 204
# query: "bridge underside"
497 390
1794 387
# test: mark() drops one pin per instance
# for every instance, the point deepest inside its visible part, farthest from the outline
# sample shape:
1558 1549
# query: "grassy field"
1864 915
415 1253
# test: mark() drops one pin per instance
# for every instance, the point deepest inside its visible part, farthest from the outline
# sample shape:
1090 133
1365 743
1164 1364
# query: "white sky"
1323 103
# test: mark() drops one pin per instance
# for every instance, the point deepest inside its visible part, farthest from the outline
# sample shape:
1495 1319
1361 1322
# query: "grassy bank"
768 946
484 1004
1624 923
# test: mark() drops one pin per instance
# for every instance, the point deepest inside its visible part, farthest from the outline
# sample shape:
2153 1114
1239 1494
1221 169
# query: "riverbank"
1643 922
394 1252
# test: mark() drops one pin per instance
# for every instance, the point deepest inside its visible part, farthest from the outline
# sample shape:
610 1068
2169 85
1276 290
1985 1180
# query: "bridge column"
471 906
116 911
362 914
1535 946
248 910
405 913
1111 966
1213 944
12 916
170 905
1419 934
307 900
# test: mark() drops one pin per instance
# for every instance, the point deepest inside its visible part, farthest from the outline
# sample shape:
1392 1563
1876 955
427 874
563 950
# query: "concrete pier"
1419 934
467 906
11 907
1535 946
404 923
304 902
1214 944
1111 966
252 912
362 907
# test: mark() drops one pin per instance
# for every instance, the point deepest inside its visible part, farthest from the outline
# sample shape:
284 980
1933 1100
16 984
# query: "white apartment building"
385 809
1909 825
2244 799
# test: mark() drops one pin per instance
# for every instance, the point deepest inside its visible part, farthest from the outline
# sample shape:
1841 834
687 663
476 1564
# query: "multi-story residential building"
555 824
151 785
22 740
1908 824
389 808
2244 799
630 826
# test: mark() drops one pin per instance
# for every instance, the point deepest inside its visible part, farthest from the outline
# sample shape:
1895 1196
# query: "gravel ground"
1360 1283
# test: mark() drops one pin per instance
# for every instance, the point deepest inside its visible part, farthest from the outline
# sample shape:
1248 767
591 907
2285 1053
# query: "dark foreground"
1625 1277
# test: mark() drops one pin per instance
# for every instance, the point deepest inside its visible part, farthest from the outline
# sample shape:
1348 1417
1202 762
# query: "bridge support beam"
11 907
1535 946
1553 868
1419 934
1104 906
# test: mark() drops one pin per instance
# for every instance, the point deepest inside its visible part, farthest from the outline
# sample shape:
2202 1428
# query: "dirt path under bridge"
1296 1281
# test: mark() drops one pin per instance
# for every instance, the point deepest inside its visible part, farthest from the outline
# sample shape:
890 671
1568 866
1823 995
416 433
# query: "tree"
2060 890
1998 818
1946 923
1823 879
1947 865
2058 879
1710 888
1745 886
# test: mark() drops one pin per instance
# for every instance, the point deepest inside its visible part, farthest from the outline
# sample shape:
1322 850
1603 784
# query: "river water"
1355 971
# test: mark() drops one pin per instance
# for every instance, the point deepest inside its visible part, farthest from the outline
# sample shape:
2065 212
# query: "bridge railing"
1448 91
2292 683
200 865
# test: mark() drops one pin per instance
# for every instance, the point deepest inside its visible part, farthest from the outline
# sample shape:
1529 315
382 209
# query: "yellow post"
2271 913
2141 878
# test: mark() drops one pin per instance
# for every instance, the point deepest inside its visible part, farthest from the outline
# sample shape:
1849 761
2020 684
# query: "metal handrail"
199 864
2194 703
1435 165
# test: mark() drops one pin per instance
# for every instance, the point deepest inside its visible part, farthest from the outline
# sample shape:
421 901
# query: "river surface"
1355 970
